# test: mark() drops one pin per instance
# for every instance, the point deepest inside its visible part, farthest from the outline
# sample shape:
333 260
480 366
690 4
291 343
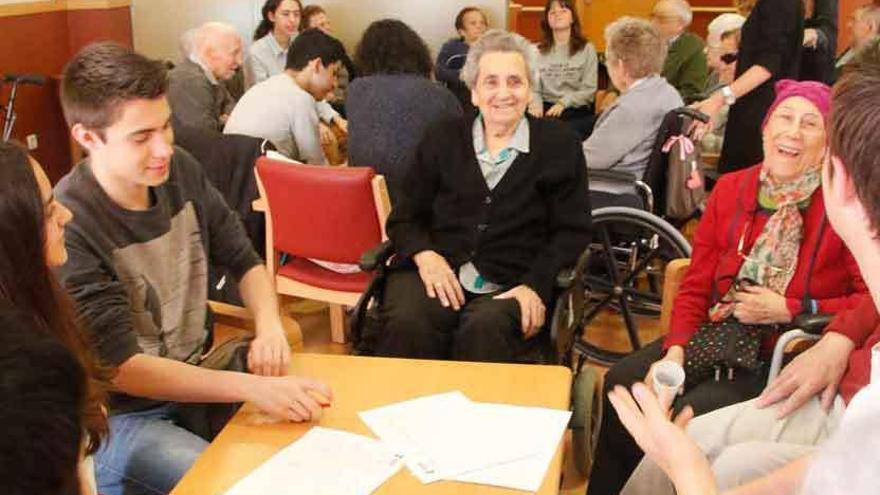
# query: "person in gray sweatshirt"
624 134
568 68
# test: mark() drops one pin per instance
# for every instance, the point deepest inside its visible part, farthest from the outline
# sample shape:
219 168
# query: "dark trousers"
581 119
416 326
617 454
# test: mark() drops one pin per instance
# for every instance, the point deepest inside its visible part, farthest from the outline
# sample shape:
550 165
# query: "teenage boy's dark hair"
855 118
311 44
103 76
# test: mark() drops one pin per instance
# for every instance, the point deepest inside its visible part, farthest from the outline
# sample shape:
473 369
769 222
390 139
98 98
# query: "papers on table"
449 437
323 462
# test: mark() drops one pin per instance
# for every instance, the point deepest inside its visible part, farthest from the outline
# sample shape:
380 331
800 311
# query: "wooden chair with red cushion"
332 214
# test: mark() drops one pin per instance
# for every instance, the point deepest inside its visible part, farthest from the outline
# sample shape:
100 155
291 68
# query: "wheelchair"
629 253
620 273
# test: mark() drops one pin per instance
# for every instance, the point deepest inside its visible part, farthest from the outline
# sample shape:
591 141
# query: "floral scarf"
773 259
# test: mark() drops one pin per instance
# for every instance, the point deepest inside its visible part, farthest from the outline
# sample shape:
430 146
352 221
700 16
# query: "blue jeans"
146 453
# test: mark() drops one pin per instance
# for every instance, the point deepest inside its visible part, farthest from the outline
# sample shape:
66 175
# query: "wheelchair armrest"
612 176
811 323
376 257
566 277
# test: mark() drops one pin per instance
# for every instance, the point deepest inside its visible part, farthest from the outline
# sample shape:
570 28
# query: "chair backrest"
675 271
327 213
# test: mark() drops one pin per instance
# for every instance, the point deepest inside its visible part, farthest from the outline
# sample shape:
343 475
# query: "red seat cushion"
303 270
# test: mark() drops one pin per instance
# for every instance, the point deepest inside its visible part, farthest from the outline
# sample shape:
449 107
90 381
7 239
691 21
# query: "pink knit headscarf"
817 93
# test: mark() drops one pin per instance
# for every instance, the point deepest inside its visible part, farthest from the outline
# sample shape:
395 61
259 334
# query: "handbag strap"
806 301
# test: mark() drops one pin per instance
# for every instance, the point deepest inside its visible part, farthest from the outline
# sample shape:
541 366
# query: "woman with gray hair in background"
624 135
493 207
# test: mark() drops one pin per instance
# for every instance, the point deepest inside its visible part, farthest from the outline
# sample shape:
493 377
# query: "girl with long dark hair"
279 25
568 66
31 244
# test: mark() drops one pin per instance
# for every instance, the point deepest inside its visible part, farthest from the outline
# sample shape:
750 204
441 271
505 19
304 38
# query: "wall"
41 40
158 24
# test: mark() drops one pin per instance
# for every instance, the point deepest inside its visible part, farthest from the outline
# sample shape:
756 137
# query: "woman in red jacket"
766 224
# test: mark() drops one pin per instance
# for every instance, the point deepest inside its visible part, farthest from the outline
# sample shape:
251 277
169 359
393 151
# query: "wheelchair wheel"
623 281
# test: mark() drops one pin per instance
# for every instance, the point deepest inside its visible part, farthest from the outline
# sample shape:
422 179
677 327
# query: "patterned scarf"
773 259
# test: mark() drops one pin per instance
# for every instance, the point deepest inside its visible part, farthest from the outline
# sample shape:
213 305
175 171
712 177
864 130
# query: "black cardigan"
532 225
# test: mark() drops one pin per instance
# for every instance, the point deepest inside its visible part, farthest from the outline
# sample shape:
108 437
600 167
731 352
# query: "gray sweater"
197 99
624 134
279 110
387 117
140 278
566 79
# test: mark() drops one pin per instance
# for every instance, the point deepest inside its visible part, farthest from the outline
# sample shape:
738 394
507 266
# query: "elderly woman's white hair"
637 43
683 9
722 25
497 40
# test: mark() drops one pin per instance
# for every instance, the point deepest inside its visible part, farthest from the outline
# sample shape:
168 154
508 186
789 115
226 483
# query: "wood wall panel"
42 43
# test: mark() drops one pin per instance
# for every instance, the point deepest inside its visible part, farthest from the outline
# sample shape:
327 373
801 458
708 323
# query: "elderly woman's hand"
665 442
439 279
555 111
531 308
759 305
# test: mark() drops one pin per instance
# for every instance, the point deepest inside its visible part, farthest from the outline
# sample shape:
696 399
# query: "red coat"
862 326
732 210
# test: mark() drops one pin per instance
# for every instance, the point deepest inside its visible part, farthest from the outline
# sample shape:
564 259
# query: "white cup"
668 378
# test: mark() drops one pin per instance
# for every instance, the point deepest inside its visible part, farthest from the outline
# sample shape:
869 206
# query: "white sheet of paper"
388 423
540 427
323 462
446 436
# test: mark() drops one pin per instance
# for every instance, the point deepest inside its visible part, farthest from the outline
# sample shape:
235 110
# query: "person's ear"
841 186
315 64
87 138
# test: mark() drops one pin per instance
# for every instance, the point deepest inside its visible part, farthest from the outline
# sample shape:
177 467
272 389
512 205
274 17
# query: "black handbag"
722 347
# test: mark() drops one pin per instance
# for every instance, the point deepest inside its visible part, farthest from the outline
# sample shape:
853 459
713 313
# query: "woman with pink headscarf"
763 253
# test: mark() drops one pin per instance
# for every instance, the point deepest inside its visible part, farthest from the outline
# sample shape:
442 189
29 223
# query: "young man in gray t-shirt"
284 108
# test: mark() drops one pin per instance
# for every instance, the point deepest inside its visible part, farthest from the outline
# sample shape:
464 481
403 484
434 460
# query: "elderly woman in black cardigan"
493 207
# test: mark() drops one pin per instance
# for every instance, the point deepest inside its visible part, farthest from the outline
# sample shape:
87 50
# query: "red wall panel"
42 43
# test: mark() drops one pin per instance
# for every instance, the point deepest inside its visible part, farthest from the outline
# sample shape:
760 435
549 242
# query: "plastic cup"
668 378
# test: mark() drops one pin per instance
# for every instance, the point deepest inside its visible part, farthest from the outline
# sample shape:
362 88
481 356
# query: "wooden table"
361 383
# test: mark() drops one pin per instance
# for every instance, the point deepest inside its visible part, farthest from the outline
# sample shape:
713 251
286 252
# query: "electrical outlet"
32 142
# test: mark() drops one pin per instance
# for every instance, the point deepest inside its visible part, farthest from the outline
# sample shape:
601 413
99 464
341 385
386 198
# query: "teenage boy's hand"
270 352
290 397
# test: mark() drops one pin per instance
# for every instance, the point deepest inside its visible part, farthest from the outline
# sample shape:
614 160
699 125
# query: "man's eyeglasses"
729 58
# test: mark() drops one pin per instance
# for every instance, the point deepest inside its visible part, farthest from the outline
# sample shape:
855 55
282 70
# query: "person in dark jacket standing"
492 209
772 39
820 41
